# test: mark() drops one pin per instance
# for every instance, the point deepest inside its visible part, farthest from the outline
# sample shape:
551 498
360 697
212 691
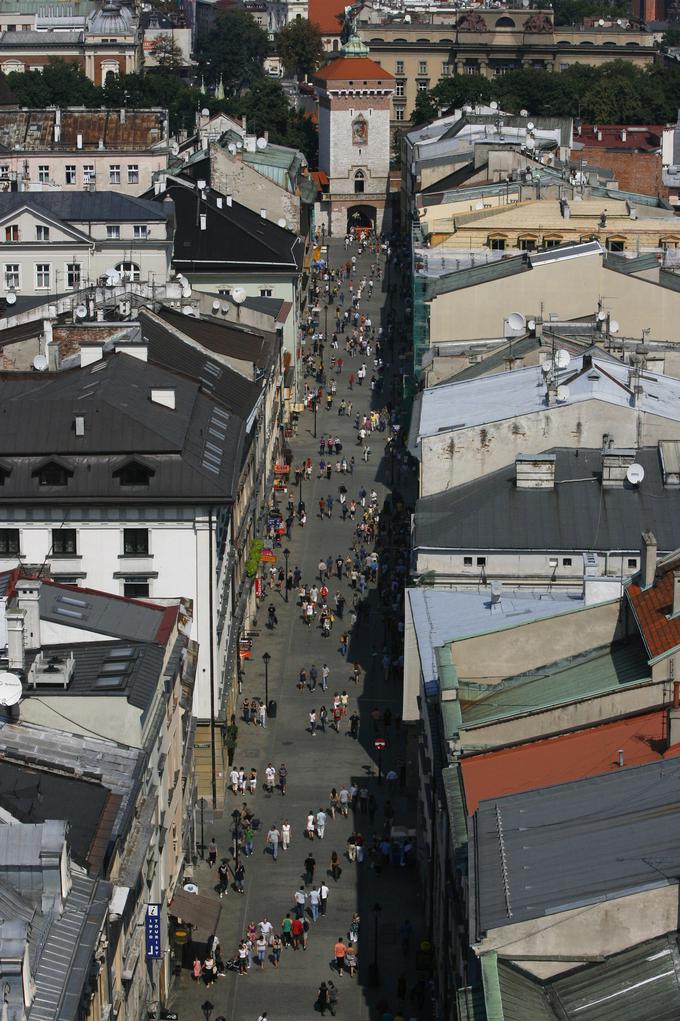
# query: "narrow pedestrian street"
384 895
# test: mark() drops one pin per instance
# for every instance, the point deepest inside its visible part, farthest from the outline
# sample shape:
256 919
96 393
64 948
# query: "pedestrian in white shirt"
320 823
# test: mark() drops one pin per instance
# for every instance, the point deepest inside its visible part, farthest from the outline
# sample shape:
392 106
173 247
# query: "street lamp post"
236 817
265 660
300 491
373 970
314 406
286 554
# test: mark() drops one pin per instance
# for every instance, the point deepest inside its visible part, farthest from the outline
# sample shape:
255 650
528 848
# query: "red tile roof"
354 69
327 14
321 179
567 757
646 138
652 608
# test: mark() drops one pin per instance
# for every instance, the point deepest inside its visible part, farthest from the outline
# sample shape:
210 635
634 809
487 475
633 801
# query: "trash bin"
271 709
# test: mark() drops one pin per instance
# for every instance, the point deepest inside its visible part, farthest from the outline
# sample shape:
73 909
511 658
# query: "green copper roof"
355 47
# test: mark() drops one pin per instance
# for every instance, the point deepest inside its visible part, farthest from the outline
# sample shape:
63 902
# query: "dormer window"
133 474
52 473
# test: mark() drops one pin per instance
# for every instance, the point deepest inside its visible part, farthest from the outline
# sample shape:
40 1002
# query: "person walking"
312 722
320 823
223 874
336 870
283 779
339 952
314 903
248 838
332 996
322 999
239 877
300 898
212 852
324 891
277 946
285 834
273 841
261 945
310 865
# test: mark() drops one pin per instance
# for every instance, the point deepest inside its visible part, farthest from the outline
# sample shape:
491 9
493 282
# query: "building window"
136 587
133 173
72 275
422 67
399 88
133 474
42 233
129 270
359 182
399 113
140 231
423 86
9 542
467 561
471 69
446 70
113 232
632 562
399 67
42 276
4 172
615 244
497 244
44 173
12 232
52 474
63 542
136 542
12 276
114 173
551 242
527 244
566 561
89 176
70 173
265 292
481 561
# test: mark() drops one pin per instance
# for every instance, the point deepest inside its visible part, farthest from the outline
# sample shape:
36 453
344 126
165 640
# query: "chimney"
648 559
219 201
79 141
15 639
28 600
674 717
615 465
123 115
676 593
624 134
599 135
535 471
620 758
57 132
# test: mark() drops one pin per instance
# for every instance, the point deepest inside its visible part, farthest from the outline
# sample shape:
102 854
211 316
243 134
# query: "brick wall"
634 171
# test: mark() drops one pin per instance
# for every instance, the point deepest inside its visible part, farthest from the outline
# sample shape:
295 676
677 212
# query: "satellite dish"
11 298
282 222
601 316
562 359
215 306
186 291
238 295
174 148
261 143
635 474
205 112
530 125
614 326
531 325
516 321
546 367
601 22
524 113
40 363
224 309
80 311
10 689
188 310
232 148
493 104
562 393
530 143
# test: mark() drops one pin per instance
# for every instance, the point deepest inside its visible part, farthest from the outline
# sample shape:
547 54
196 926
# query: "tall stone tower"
354 139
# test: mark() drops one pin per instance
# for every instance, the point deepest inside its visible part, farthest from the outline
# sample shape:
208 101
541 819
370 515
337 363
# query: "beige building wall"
231 176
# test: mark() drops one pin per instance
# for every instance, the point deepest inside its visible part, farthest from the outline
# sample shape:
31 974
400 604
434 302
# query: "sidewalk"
316 764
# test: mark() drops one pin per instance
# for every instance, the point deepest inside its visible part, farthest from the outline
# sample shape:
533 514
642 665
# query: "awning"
201 913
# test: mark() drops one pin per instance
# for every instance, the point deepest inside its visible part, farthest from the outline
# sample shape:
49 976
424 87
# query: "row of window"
566 562
45 278
531 242
140 232
89 173
65 542
52 473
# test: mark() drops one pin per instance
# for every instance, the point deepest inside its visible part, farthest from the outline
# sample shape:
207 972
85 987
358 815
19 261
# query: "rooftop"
653 609
572 756
328 15
582 842
34 130
578 514
82 206
498 397
627 137
355 70
106 614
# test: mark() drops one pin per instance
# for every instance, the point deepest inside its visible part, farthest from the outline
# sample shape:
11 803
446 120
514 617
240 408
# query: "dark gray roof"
122 423
83 206
268 306
107 669
234 391
491 513
640 984
560 848
235 237
259 348
101 612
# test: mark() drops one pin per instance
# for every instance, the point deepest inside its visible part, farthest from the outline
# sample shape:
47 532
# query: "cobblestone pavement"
316 764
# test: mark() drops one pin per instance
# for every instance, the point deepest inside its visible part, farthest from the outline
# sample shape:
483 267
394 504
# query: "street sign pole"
379 744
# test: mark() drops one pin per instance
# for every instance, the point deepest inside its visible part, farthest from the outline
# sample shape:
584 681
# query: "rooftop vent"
51 669
535 471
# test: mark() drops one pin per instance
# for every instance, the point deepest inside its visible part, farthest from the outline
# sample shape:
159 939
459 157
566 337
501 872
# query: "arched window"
129 270
527 242
497 242
505 23
552 240
359 181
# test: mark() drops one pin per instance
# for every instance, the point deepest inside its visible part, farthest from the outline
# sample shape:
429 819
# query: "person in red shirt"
340 950
296 933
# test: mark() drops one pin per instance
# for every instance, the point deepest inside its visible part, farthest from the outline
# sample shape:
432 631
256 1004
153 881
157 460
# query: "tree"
300 47
234 50
59 84
266 108
167 54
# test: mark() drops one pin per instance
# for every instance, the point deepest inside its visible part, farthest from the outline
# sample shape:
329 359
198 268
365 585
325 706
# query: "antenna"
635 474
562 359
238 295
10 689
40 363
